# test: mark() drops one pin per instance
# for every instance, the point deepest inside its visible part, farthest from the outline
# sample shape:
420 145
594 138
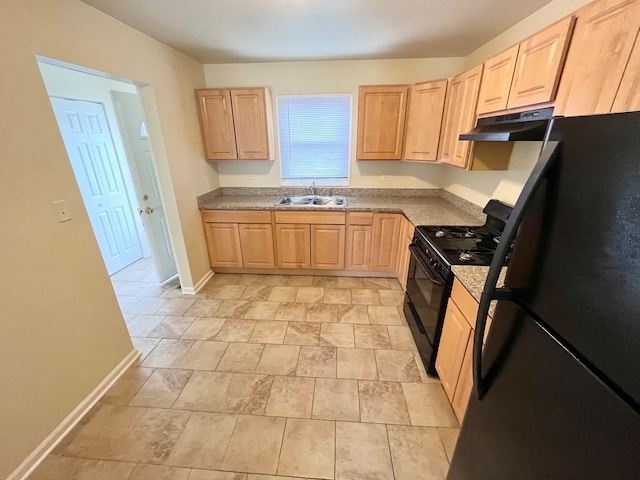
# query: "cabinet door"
381 121
604 36
293 244
496 81
404 256
448 133
628 96
250 119
453 344
465 382
327 247
358 247
257 245
223 243
461 117
540 61
384 248
216 124
426 107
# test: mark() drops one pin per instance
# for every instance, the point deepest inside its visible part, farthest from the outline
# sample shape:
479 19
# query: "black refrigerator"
557 386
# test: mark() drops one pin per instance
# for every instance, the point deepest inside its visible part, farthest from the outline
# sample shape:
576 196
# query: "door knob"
148 210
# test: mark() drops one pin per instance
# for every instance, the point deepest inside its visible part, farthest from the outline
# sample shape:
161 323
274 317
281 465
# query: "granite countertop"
474 277
420 210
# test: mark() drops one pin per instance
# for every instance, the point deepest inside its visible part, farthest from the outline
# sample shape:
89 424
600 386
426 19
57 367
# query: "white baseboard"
196 288
40 453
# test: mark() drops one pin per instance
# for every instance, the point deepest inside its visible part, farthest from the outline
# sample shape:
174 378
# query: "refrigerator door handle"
490 292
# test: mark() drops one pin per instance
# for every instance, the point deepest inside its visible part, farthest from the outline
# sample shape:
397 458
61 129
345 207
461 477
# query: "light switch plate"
62 211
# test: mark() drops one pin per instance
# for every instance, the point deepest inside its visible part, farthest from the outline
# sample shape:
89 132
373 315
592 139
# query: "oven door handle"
428 270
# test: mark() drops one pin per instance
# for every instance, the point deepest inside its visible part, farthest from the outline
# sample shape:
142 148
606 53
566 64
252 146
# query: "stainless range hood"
524 126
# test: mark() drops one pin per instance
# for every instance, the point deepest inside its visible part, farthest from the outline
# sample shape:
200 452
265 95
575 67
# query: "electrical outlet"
386 178
60 206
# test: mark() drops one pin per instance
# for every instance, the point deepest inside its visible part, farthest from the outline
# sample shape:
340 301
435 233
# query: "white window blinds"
315 133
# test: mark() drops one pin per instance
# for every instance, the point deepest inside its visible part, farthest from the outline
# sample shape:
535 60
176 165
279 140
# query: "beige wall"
62 330
478 187
293 78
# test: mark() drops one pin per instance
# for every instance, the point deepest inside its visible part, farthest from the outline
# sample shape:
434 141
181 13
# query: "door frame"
135 173
161 161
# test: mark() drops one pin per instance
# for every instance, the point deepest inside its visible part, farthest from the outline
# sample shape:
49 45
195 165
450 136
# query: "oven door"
425 303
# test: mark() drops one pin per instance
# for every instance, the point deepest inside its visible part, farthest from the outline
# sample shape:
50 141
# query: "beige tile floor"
263 377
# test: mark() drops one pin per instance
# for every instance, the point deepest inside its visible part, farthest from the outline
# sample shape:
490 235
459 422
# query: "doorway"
104 130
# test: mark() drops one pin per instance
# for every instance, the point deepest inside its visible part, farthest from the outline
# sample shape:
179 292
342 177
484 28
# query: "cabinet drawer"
236 216
465 302
360 218
312 218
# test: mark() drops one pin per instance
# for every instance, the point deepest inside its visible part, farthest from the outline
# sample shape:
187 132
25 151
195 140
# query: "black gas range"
434 250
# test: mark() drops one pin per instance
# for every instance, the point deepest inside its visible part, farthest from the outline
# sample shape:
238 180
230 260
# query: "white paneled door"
134 133
90 148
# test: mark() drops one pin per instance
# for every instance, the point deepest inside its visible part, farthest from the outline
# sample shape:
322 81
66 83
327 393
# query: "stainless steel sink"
313 201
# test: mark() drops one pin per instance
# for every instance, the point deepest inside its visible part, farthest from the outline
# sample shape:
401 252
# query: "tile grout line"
393 467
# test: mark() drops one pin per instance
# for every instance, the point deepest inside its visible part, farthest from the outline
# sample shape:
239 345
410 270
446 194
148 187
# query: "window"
315 134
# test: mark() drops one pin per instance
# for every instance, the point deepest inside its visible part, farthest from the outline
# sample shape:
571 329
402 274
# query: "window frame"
326 181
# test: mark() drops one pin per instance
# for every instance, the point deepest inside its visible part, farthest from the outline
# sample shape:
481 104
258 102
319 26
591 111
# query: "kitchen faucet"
312 189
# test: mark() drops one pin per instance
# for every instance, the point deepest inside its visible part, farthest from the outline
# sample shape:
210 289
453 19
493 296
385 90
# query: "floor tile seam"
284 431
393 467
226 448
444 448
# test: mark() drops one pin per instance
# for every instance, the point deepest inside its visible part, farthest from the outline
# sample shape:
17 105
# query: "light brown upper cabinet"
459 117
605 33
628 96
540 61
216 124
235 123
527 73
496 81
426 107
381 121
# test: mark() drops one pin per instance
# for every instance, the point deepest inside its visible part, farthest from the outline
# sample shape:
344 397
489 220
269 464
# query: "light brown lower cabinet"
293 243
453 344
404 256
239 238
256 241
465 382
454 360
358 241
354 241
223 243
327 247
358 247
384 248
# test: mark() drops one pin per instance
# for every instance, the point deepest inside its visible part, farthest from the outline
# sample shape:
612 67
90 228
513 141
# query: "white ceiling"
232 31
